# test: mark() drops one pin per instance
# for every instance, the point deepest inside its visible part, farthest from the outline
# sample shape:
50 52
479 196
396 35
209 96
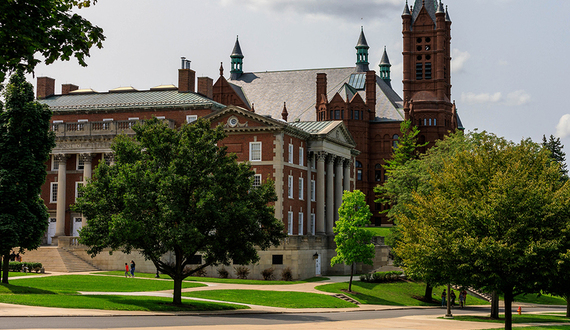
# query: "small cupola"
236 61
385 68
362 53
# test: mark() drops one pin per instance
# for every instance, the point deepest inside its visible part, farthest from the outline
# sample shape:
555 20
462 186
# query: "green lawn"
219 280
273 298
544 299
74 283
395 293
379 231
16 274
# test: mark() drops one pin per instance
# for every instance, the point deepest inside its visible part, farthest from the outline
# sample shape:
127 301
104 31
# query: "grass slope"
285 299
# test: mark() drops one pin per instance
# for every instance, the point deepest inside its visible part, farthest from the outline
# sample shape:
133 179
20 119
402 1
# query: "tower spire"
362 53
236 61
385 68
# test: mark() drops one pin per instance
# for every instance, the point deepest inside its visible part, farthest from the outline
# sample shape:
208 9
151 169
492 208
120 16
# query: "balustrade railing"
111 127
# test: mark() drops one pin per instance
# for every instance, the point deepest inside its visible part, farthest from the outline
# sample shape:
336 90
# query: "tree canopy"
25 145
494 210
353 241
47 27
176 190
556 153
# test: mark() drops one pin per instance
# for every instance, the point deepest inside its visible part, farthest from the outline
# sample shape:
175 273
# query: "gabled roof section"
347 92
128 100
362 39
236 52
331 130
239 91
431 7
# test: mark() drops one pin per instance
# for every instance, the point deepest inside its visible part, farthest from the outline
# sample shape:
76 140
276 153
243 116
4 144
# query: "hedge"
380 277
16 266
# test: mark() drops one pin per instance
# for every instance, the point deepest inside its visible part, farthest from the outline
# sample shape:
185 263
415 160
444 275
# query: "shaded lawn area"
285 299
400 293
544 299
525 318
125 303
74 283
379 231
218 280
16 274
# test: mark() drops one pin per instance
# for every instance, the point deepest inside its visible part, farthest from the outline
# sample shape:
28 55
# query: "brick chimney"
321 86
371 91
45 87
66 88
206 87
186 80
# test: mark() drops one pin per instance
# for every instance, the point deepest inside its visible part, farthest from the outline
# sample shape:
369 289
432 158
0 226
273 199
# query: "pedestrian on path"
132 268
127 270
452 297
443 298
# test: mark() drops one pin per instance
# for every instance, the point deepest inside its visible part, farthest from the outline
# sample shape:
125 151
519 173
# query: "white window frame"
300 223
301 156
131 119
290 223
301 188
290 154
54 164
161 117
79 165
191 118
256 181
313 188
251 155
52 194
312 224
81 126
77 184
106 125
290 186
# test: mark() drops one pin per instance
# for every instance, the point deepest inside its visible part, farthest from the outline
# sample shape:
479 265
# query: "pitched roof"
362 40
431 7
128 100
268 90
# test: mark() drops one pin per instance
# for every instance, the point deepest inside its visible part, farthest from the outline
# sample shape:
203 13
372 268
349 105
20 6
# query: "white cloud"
458 59
472 98
519 97
563 127
330 8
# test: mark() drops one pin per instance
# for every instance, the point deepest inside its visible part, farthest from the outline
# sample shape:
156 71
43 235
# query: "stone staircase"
346 298
56 259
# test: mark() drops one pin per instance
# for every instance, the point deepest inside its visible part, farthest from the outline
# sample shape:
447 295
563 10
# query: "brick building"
314 132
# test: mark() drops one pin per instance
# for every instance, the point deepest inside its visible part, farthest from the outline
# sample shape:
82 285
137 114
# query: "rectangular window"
77 193
191 118
419 71
301 156
290 186
428 70
300 223
256 180
301 187
53 192
356 115
81 126
290 223
359 175
161 117
54 164
106 125
291 154
277 259
132 121
337 114
80 165
313 190
312 225
255 151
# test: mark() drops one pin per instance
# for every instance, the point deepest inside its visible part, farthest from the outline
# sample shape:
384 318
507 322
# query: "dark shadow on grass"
164 304
16 289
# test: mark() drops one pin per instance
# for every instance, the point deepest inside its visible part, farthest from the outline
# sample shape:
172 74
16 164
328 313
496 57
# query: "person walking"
443 298
452 297
127 270
132 268
461 299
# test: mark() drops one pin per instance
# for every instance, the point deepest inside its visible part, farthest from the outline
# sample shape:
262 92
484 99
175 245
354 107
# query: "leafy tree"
47 27
557 154
25 144
407 148
353 241
494 209
177 191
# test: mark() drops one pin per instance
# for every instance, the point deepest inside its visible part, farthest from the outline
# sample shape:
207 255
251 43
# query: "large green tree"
353 241
45 27
25 144
556 153
492 220
176 190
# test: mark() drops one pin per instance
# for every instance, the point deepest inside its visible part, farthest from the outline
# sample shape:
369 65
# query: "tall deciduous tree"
25 144
494 209
353 241
176 191
47 27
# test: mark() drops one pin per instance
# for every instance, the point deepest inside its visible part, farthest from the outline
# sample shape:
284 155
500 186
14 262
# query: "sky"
509 67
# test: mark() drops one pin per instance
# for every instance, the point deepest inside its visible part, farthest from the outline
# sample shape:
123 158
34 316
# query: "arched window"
358 171
378 172
435 122
395 141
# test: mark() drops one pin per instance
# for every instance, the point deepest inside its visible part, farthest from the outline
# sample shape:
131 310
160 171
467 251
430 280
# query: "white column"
87 160
308 194
338 191
321 157
346 164
61 160
330 195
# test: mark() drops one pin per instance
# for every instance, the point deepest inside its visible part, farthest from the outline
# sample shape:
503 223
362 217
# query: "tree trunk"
508 309
177 294
448 301
5 267
428 293
567 307
494 305
351 272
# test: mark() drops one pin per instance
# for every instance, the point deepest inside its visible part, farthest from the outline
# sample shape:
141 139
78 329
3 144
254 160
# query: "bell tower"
427 60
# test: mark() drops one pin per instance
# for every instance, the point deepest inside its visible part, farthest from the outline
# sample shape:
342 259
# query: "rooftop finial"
221 68
284 114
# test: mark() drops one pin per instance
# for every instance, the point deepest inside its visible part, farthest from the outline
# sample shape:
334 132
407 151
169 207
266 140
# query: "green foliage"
381 277
267 274
494 209
408 146
175 190
242 272
16 266
286 274
557 153
47 27
25 144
